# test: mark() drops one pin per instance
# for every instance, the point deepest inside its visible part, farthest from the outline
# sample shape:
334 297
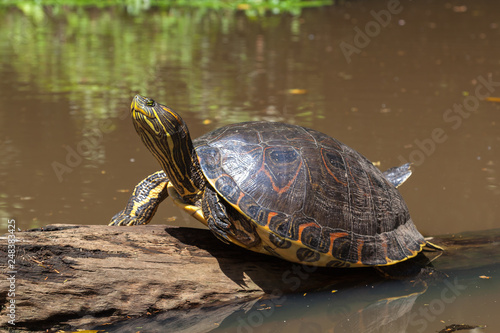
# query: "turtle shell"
303 188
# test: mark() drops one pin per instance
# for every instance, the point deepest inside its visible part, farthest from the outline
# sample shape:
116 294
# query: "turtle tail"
432 247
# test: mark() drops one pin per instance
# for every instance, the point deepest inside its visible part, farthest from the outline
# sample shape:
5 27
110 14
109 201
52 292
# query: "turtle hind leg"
144 201
398 175
416 268
226 223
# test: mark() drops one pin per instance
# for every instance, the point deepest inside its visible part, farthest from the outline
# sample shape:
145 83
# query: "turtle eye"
150 102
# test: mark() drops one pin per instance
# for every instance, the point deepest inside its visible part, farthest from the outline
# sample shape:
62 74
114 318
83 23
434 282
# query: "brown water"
414 88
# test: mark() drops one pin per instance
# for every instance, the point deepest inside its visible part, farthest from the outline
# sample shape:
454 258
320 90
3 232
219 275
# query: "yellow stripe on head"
166 135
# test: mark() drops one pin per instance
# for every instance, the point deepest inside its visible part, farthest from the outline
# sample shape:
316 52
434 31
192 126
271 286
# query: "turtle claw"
219 230
122 218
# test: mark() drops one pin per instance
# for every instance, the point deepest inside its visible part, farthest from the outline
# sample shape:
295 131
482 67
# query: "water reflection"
390 306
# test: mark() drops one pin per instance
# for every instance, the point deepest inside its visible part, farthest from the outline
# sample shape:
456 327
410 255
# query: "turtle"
275 188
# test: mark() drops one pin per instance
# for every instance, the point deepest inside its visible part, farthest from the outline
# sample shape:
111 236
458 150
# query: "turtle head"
155 119
166 136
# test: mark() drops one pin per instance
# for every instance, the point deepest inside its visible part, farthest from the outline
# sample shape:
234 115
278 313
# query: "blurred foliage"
97 58
250 7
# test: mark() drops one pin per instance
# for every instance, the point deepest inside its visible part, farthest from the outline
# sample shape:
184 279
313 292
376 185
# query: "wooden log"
87 275
82 276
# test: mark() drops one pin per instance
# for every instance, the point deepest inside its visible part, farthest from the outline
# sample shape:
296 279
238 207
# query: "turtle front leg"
144 201
226 223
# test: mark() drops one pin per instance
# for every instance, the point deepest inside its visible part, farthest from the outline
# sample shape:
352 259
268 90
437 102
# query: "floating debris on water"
492 99
296 91
459 327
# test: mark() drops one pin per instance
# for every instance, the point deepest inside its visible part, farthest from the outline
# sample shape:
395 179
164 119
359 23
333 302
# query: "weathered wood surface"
83 276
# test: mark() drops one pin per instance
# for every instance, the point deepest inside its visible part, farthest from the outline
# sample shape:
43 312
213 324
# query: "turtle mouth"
139 105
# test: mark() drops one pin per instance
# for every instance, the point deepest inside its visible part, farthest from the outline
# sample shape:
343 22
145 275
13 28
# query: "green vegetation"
98 58
250 7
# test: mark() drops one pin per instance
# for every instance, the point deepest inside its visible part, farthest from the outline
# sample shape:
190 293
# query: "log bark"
69 276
